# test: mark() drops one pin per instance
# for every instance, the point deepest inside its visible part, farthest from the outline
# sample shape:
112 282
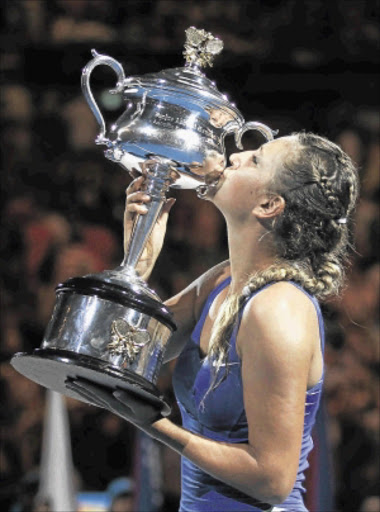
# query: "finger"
124 396
147 165
135 185
137 208
142 411
138 197
166 209
137 404
84 393
82 390
88 397
134 173
99 394
168 205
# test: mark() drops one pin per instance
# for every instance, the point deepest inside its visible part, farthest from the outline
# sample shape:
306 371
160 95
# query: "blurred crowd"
343 27
63 206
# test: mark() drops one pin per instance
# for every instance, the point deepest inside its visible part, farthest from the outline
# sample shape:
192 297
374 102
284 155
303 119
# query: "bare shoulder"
282 317
283 297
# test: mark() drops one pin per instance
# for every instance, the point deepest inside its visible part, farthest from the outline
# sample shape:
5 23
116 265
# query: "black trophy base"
51 368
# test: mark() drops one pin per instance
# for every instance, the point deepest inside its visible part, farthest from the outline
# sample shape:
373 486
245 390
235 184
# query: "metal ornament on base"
111 327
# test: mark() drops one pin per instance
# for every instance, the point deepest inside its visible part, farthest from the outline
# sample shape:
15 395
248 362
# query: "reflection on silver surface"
219 117
84 324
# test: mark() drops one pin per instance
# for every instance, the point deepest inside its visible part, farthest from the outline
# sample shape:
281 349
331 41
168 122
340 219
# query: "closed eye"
256 156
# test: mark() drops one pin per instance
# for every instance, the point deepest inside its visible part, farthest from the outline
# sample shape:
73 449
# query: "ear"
269 206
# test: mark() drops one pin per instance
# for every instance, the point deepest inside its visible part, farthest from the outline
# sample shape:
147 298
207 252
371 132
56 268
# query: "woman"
250 333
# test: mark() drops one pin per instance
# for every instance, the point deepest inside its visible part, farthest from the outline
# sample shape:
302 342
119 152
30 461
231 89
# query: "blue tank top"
221 416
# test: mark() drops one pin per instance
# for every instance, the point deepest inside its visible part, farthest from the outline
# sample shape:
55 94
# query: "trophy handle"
85 82
268 133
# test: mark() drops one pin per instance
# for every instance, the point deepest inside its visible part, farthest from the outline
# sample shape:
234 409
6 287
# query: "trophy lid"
201 47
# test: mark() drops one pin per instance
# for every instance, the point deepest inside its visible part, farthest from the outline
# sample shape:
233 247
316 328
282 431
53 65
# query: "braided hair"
312 235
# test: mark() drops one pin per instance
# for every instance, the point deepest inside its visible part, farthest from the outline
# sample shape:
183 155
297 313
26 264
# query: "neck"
250 250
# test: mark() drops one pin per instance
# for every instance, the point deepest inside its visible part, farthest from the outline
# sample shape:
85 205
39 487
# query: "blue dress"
221 417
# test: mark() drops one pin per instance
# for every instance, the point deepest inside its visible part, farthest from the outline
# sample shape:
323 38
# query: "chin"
213 195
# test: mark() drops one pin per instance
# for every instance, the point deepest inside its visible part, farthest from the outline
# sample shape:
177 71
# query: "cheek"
238 193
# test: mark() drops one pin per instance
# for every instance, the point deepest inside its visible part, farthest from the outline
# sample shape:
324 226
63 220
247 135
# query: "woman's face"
248 179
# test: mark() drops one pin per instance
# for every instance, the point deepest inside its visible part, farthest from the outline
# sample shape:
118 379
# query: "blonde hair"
312 235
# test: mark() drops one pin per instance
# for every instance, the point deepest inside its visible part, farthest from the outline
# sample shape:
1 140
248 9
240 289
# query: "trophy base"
51 368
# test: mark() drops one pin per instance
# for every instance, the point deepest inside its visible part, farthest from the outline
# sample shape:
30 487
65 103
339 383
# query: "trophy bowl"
110 327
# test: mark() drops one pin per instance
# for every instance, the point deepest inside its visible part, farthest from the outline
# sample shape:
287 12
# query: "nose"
234 159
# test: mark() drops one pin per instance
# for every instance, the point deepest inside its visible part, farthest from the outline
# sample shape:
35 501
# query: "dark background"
292 64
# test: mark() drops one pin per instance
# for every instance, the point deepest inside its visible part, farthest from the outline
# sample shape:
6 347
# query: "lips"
212 178
212 183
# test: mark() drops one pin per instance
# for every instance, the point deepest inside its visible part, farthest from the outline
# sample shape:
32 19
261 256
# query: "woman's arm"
276 345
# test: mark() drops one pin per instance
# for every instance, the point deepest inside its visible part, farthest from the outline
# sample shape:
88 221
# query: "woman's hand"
136 203
126 405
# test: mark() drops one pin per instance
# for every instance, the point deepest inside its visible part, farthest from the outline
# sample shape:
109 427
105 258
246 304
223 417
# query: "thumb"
167 207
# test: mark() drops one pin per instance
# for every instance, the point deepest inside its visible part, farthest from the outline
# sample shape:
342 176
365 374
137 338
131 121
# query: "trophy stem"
158 180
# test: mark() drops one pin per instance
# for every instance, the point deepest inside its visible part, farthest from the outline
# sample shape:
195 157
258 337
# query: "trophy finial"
201 47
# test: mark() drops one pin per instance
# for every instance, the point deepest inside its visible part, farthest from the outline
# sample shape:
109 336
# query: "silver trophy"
111 327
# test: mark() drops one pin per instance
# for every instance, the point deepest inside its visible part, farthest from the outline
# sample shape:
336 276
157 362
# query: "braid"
312 235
